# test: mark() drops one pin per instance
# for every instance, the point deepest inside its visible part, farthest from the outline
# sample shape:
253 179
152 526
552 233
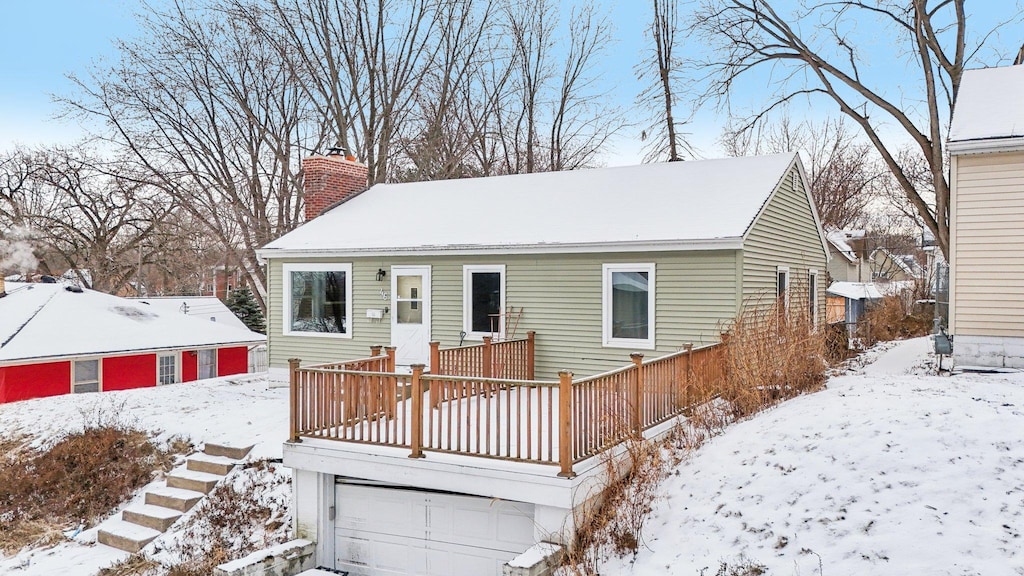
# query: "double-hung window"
85 376
167 368
782 288
812 297
628 305
318 299
483 300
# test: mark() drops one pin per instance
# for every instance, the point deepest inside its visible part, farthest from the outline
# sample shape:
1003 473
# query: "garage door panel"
387 531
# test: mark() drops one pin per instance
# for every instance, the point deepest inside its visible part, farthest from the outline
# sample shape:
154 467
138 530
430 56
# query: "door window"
409 299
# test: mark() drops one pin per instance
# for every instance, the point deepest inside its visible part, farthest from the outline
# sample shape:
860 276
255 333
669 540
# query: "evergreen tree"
242 303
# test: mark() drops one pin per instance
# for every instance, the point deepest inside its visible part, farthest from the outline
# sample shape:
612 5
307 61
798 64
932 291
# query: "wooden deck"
454 408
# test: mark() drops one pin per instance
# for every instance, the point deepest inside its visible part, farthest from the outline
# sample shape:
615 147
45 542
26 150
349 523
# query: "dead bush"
893 318
237 518
80 478
771 355
135 565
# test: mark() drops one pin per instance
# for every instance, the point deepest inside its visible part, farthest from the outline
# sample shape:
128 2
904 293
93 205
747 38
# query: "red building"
59 339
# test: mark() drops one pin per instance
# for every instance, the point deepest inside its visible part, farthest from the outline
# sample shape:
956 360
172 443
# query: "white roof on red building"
208 308
48 321
674 205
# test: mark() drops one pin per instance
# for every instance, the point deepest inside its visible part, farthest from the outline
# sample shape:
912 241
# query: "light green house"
599 263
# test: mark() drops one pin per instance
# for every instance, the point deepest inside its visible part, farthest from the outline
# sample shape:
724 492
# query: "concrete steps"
140 524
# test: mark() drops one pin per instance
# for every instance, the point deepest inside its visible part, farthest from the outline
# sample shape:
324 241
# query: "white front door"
410 314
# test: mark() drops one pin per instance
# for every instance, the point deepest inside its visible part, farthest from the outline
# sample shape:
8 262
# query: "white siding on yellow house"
987 244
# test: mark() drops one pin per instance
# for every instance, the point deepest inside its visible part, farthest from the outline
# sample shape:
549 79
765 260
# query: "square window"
166 369
483 300
85 376
318 299
628 303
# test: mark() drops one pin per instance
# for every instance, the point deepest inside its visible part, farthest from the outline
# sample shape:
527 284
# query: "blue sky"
41 42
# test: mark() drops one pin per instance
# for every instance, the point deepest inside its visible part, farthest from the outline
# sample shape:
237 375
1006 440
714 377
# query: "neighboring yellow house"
986 143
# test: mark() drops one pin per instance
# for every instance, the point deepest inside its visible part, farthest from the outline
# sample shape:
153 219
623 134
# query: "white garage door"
389 531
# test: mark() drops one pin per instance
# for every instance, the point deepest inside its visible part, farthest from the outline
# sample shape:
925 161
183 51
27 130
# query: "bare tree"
844 174
663 65
814 52
208 113
85 216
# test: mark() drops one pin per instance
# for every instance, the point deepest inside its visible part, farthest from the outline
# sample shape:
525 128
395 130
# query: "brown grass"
80 478
894 318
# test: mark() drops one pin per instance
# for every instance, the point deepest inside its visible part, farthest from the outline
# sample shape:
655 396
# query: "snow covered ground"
233 410
891 470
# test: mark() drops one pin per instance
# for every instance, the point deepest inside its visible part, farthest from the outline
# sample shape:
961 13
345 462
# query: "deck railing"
547 422
508 359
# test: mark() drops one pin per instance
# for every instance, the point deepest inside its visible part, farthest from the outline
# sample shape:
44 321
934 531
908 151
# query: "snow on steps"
140 524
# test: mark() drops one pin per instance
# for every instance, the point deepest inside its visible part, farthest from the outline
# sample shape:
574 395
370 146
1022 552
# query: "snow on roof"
672 203
989 106
855 290
208 308
838 238
46 320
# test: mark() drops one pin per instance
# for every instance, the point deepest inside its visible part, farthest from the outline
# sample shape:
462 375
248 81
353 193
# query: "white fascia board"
987 145
733 243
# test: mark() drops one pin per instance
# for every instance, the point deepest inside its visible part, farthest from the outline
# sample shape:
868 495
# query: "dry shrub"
135 565
237 518
771 356
80 478
614 520
894 318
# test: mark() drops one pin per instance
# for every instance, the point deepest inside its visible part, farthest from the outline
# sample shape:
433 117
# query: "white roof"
47 321
989 106
677 205
208 308
838 238
855 290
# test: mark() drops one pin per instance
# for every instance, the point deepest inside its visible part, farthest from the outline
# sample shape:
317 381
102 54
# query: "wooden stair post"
531 338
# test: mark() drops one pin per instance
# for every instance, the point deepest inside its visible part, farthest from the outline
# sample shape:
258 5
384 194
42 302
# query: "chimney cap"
337 151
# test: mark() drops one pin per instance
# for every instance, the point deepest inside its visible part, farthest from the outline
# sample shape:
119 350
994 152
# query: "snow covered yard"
234 410
890 470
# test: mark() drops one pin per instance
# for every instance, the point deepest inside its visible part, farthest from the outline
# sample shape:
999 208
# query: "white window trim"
789 281
286 307
177 366
467 299
813 272
99 372
606 308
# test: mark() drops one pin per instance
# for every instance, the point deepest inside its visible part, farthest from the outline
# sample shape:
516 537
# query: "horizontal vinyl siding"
785 235
988 245
561 299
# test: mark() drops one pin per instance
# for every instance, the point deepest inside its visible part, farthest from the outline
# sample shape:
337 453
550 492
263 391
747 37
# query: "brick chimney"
329 179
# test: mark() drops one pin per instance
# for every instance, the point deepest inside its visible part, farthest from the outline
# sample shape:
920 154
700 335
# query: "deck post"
390 351
687 396
565 424
375 351
435 357
416 417
293 385
487 369
636 392
531 338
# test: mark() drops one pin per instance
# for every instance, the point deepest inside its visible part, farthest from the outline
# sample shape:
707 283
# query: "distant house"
61 339
598 264
986 143
889 267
